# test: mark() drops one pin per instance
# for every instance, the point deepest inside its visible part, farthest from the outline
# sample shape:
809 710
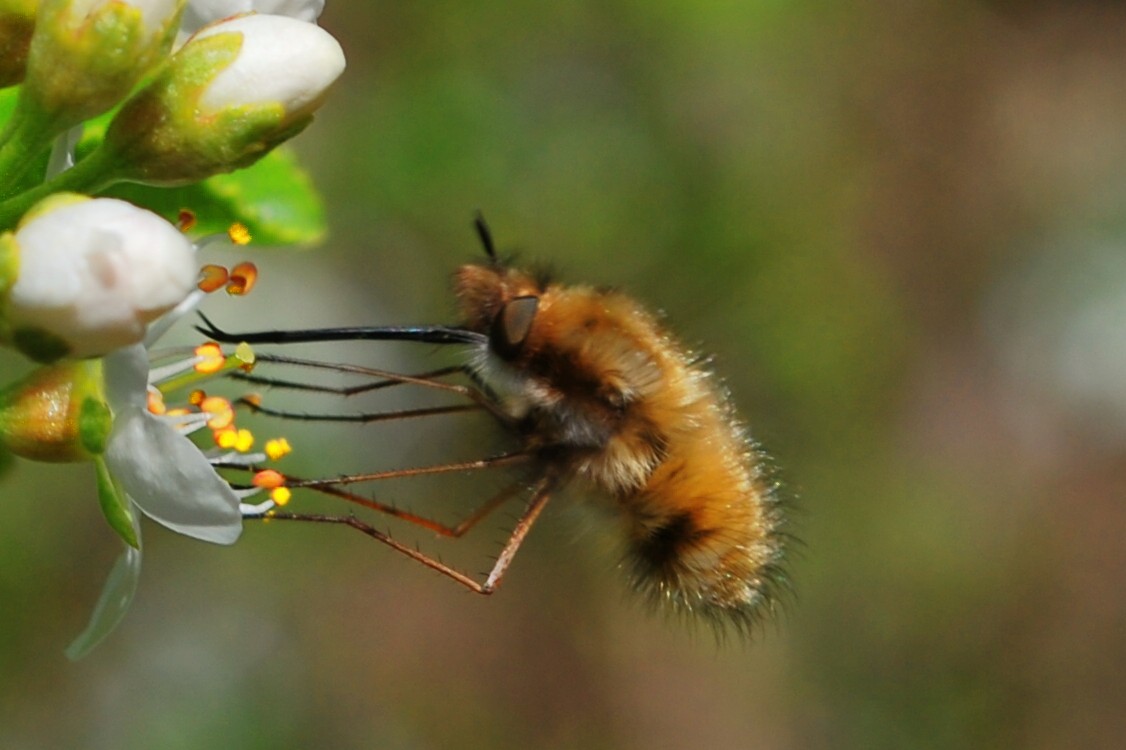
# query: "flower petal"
126 376
170 479
112 604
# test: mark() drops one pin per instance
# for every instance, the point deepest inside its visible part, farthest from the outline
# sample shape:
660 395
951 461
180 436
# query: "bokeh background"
899 227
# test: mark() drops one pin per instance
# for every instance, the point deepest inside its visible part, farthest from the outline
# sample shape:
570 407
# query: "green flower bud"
17 21
237 89
87 55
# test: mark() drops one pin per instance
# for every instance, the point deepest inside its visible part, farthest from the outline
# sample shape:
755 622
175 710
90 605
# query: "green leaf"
274 199
115 505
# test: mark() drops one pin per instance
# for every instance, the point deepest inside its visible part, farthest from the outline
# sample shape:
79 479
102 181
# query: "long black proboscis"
420 334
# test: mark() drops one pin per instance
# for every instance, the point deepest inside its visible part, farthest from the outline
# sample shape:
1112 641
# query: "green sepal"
95 421
115 505
274 199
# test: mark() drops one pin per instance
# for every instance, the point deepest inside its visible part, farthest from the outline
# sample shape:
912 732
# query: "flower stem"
24 139
90 175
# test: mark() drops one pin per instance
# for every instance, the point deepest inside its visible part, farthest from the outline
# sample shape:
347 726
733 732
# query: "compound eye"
512 325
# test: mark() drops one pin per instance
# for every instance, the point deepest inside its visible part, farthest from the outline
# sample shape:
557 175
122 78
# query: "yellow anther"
277 448
244 353
281 495
239 234
211 358
226 437
244 440
196 397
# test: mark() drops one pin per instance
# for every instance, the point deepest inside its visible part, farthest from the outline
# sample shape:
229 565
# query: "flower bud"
199 13
238 88
90 274
55 414
87 55
17 21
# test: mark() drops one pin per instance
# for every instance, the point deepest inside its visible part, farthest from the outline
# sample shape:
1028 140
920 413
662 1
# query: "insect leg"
332 488
536 503
392 379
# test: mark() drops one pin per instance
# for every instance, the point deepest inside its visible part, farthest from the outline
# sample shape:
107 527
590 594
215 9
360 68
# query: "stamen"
268 479
211 358
155 402
277 448
187 220
161 326
231 458
166 372
229 437
261 508
185 423
245 355
281 496
213 277
221 413
239 234
242 278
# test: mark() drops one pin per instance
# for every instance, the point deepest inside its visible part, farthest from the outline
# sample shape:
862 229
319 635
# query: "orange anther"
220 410
268 479
243 277
155 402
186 220
212 277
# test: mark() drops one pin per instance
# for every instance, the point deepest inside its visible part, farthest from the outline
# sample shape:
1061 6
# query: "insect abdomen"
704 530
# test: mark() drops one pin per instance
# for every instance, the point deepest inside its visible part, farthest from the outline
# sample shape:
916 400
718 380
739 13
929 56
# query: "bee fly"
595 390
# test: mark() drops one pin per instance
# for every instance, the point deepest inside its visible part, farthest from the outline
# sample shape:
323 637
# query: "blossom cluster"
158 93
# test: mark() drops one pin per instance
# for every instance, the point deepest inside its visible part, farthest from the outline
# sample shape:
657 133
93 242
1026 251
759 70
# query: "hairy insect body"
597 387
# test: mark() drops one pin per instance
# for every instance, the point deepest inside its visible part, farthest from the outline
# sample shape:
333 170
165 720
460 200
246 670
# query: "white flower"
281 61
161 470
93 273
199 13
162 473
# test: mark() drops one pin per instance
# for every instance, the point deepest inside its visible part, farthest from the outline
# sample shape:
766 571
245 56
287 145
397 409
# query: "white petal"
125 373
112 604
94 272
281 60
168 477
199 13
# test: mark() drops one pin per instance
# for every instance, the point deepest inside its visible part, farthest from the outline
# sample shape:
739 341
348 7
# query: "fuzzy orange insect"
596 390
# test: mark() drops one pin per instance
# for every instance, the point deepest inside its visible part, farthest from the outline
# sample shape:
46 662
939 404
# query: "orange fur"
597 387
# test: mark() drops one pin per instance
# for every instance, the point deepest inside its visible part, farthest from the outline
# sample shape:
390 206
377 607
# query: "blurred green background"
899 227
